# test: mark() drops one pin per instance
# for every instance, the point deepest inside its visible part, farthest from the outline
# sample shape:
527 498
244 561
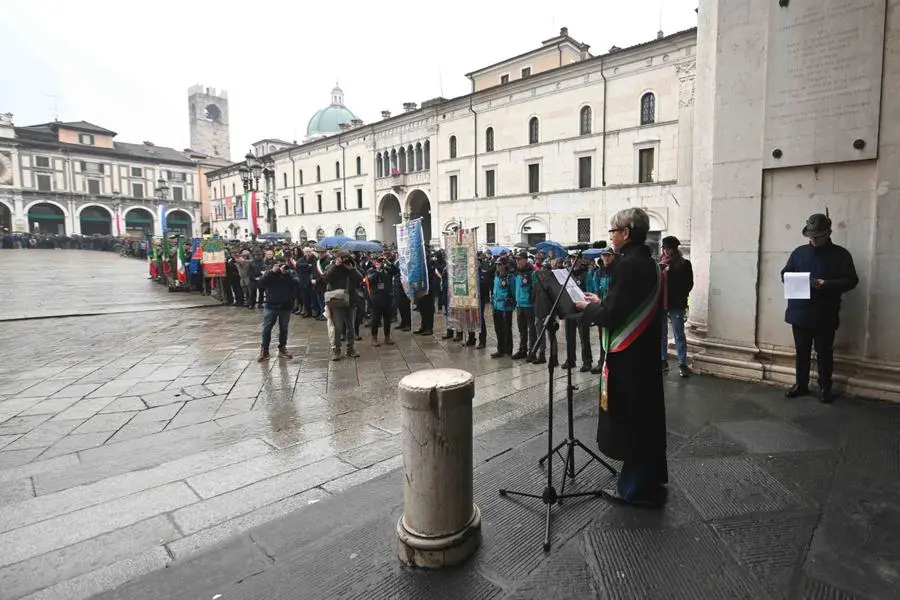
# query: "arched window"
359 165
534 131
303 237
320 234
452 146
427 151
285 180
489 139
418 156
410 159
393 161
585 118
360 234
339 231
401 157
300 176
337 169
318 173
387 164
379 166
648 109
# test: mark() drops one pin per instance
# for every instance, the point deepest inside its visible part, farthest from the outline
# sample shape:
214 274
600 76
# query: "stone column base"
436 552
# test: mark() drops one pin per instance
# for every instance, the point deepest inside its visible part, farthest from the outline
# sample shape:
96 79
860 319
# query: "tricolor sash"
624 336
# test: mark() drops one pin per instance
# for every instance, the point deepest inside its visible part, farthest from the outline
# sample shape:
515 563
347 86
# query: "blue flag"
411 258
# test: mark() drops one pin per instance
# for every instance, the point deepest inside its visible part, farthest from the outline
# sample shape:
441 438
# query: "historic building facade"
550 153
73 178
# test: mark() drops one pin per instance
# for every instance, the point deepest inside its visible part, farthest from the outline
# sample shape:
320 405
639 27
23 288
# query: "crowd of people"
46 241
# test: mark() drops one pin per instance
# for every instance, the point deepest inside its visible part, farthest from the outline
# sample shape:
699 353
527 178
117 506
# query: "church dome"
328 120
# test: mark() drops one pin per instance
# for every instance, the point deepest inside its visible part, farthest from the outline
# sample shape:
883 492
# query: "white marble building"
549 153
74 178
801 115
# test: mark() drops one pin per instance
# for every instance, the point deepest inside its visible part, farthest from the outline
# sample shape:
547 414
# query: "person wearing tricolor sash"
632 419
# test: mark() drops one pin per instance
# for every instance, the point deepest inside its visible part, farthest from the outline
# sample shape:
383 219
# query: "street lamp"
162 190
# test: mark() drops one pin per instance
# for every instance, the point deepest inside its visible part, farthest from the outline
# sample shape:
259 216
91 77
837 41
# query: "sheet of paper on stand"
797 286
575 292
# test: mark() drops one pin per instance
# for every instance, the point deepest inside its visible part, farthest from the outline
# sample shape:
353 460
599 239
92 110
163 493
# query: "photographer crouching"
281 287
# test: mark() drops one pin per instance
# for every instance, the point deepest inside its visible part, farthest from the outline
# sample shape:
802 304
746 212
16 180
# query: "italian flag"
251 211
182 269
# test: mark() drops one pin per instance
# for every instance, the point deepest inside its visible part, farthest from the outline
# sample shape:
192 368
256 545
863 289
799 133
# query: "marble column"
441 525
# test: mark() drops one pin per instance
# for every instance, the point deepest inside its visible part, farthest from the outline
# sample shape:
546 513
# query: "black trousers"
381 316
405 310
527 330
805 339
582 329
503 330
425 305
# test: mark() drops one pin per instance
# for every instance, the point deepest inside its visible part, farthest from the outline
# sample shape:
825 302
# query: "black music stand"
549 496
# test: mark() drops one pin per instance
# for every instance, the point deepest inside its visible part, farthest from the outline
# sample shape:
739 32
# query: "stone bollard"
441 525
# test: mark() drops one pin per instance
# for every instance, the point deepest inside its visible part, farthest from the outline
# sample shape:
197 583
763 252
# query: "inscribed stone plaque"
823 81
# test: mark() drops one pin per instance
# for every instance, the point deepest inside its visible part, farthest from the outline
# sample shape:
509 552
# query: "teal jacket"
525 284
504 297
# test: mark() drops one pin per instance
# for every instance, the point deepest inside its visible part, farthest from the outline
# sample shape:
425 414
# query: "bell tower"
208 112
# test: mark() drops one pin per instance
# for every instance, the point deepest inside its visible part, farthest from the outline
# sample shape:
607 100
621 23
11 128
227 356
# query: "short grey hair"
636 220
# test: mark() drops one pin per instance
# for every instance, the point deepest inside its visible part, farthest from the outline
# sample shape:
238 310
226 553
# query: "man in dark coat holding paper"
815 321
632 418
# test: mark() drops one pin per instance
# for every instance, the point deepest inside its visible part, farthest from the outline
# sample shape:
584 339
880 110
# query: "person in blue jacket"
503 306
815 321
526 280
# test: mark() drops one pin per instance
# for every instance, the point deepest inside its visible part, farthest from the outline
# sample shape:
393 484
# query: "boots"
375 340
519 355
387 339
283 353
459 336
263 354
448 335
471 340
482 343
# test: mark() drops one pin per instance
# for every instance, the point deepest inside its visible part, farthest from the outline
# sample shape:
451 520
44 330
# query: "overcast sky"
127 65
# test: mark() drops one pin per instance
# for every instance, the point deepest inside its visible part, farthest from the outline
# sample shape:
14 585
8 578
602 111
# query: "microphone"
581 247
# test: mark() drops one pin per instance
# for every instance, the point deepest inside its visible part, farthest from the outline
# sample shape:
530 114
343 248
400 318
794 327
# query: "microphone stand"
549 496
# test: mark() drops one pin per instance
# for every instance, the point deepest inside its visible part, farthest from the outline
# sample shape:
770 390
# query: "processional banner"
213 251
411 258
462 271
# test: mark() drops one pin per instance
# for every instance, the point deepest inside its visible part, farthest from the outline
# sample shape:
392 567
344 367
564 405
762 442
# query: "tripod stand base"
550 497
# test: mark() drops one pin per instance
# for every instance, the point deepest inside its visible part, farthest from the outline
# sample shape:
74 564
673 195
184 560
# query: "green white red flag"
251 210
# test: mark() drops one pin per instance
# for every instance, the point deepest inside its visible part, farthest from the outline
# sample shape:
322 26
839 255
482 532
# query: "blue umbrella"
334 241
362 246
498 250
554 249
592 253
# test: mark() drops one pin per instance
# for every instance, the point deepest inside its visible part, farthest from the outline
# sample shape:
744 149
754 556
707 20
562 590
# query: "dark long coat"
633 428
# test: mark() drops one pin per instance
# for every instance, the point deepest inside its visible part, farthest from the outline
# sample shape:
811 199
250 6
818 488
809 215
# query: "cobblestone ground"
139 436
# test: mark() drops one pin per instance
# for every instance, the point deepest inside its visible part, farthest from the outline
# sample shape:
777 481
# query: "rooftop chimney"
344 126
660 35
409 106
385 114
356 122
563 31
146 143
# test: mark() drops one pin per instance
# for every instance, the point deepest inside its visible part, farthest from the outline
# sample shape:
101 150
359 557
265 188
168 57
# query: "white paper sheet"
796 286
575 292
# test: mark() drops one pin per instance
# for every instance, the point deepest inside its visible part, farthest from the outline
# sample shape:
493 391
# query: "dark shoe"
567 365
585 368
684 371
388 341
335 355
597 370
482 344
796 391
530 358
471 340
458 337
613 496
448 335
497 355
358 338
352 354
540 360
263 355
405 328
826 396
519 355
283 353
425 333
418 332
375 341
250 306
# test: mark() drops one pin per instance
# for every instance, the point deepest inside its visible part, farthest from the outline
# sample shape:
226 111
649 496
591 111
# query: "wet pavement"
133 442
129 440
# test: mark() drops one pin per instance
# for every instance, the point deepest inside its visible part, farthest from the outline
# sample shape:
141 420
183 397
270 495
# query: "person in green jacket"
503 305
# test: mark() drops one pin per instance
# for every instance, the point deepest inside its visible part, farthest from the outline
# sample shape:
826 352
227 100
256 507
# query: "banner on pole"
411 258
462 270
213 251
